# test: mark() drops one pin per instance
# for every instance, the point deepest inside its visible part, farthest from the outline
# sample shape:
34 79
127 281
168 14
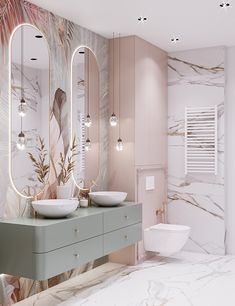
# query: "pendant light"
22 108
88 121
21 142
88 143
113 119
119 145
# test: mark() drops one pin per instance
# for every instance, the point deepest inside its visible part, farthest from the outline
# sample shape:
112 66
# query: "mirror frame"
10 108
71 112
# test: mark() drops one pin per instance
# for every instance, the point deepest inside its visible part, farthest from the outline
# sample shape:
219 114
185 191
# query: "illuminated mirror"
29 110
85 116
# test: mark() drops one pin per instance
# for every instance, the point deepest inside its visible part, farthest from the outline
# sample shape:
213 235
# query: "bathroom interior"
117 153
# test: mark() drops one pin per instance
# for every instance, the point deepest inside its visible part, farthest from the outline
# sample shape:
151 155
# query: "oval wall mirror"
85 116
29 110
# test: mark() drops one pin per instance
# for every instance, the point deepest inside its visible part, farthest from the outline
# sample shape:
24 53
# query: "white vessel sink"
108 198
56 208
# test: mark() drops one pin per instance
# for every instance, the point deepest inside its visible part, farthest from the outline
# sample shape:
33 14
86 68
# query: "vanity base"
43 248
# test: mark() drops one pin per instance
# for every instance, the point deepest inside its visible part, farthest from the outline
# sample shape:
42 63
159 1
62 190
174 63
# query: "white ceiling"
197 23
33 48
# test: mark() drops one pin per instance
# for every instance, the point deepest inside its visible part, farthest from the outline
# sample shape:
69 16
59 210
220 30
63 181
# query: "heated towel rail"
201 140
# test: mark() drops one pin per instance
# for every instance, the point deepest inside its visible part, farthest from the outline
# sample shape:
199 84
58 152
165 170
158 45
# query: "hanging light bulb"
113 120
88 121
22 108
88 145
119 145
21 143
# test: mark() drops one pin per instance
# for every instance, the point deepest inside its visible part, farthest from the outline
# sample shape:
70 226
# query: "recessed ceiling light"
38 36
33 59
224 4
142 19
175 40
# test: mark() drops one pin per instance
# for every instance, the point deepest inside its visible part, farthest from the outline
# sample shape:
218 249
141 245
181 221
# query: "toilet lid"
170 227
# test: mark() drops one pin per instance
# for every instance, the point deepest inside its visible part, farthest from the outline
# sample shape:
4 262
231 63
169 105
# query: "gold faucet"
162 212
84 192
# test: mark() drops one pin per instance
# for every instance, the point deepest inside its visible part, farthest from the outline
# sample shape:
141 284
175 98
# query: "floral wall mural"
63 38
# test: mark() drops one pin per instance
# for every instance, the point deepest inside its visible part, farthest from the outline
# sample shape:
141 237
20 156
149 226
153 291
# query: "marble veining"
186 279
196 79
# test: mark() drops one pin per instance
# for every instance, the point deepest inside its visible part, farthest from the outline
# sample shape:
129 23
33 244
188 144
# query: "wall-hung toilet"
166 239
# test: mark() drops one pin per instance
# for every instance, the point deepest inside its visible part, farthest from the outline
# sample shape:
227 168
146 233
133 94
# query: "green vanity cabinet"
121 238
42 248
121 217
64 259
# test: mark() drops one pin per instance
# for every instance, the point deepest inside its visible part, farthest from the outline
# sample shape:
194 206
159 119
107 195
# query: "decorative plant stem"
67 167
41 168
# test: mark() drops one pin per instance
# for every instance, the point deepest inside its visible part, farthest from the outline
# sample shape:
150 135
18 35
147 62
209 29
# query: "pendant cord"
22 63
113 75
87 133
22 73
119 91
21 124
88 87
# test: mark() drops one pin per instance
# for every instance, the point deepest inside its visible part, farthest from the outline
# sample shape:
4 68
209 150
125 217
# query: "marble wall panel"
196 78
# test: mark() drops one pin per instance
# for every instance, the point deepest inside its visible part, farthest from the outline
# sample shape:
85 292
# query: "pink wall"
143 86
122 164
151 200
150 104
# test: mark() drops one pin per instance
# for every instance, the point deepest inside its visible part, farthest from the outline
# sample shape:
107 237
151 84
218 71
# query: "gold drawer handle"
76 230
76 255
126 217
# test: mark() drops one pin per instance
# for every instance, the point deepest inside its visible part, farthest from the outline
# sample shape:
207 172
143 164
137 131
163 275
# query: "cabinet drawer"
48 238
122 217
122 238
55 262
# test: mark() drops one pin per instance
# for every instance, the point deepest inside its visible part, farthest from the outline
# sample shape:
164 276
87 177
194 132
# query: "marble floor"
187 279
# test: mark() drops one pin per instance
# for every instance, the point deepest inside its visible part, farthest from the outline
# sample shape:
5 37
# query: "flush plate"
149 183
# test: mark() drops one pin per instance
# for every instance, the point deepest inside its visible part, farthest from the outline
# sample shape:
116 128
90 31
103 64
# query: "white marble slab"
74 286
184 280
196 78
